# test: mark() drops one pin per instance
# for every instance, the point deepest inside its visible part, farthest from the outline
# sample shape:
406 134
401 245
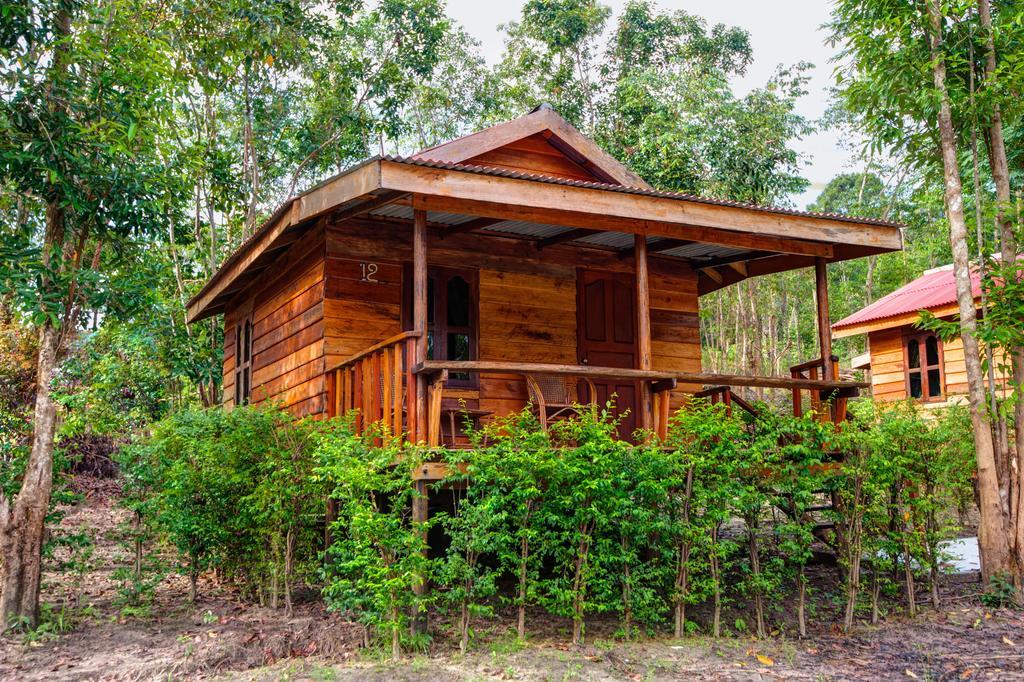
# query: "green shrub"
710 447
573 520
231 490
378 554
515 462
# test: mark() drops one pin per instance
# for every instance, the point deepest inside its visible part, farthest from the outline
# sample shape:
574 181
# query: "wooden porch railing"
814 370
380 384
377 382
726 396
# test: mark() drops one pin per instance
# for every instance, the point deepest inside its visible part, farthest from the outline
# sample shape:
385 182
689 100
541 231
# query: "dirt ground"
220 637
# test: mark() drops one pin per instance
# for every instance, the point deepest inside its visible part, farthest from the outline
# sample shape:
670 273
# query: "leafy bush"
231 490
573 520
378 554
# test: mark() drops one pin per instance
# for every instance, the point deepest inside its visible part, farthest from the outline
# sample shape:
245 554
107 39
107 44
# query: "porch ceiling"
693 253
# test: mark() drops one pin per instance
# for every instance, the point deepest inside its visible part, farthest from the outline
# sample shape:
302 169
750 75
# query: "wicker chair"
556 396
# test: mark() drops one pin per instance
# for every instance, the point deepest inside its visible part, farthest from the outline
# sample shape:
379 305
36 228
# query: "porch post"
643 329
420 502
419 316
824 328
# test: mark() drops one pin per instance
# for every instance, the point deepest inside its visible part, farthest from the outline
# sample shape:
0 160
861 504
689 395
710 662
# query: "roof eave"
359 181
489 192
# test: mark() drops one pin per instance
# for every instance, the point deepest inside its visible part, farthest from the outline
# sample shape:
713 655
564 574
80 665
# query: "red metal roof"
931 290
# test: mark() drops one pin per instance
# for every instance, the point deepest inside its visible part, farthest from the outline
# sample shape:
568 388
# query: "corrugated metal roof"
486 170
616 240
525 229
933 289
699 251
404 211
520 228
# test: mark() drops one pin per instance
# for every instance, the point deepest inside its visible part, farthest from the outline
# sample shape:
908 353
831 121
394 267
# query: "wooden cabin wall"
534 154
888 381
888 378
287 303
527 301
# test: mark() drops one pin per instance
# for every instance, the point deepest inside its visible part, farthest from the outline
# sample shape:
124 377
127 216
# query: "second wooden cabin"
906 361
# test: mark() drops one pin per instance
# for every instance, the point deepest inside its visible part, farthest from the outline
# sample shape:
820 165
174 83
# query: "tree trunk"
683 566
289 560
22 526
464 627
801 603
997 146
193 582
23 523
908 574
524 555
627 601
396 642
755 569
716 626
579 585
1001 177
876 588
138 546
993 540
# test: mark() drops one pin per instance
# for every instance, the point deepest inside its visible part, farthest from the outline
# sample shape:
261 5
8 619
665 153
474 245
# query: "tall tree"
82 108
993 533
881 76
1008 242
550 57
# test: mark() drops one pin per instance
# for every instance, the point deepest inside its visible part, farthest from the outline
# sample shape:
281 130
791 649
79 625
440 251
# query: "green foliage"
573 520
903 475
378 551
514 461
53 622
231 490
711 444
1000 593
469 568
586 495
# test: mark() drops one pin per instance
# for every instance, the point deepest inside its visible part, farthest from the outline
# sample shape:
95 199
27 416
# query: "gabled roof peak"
559 133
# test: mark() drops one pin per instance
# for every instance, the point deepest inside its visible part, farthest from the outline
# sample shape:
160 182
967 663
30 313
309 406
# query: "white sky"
781 32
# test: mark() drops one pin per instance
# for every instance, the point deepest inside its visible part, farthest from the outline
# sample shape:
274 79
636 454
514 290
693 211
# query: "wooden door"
606 336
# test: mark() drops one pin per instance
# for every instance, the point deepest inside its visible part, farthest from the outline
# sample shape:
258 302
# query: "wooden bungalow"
518 262
904 360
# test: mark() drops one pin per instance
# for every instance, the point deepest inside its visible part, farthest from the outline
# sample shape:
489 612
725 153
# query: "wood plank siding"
888 374
527 301
287 307
534 154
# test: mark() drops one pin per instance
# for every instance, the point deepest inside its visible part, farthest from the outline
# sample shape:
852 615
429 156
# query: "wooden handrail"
397 338
728 396
816 362
706 379
837 395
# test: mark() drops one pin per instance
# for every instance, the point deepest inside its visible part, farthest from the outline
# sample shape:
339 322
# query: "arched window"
922 356
451 317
